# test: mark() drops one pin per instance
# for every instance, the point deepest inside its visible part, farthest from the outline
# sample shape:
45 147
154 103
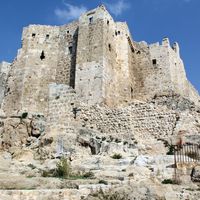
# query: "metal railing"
186 153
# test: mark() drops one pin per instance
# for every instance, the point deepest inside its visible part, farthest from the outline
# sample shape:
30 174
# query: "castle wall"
122 50
89 63
172 77
138 62
65 70
98 58
116 79
4 70
138 119
44 58
60 122
162 81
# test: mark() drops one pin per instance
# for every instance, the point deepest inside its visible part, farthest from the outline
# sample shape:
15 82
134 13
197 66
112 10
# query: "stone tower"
102 73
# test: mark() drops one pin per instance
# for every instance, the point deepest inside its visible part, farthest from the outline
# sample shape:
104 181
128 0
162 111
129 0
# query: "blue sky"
148 20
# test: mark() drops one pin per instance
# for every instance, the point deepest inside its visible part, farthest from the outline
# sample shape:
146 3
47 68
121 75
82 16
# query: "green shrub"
103 182
170 150
88 175
31 166
24 115
130 175
116 156
168 181
63 169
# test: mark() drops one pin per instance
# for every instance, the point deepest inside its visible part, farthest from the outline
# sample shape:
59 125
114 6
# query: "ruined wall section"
60 122
139 120
4 70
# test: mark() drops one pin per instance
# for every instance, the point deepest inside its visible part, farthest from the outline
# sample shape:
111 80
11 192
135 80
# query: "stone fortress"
89 88
99 59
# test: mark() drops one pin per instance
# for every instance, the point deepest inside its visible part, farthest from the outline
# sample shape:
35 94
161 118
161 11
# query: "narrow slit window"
109 47
131 92
108 22
33 35
42 56
47 36
154 61
91 19
70 49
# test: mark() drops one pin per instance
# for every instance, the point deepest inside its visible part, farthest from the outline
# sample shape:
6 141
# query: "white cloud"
70 12
118 8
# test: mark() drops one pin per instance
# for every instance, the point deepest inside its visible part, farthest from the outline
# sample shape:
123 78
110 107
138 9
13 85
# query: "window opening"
109 47
154 61
42 56
70 49
131 92
91 20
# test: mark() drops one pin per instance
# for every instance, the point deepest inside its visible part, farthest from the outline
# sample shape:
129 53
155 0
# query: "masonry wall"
61 115
162 81
116 79
102 74
44 58
89 63
66 65
171 77
4 70
99 59
140 120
